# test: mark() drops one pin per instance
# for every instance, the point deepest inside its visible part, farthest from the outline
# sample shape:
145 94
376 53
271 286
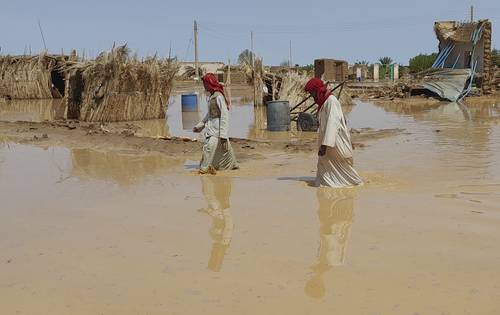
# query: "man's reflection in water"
217 191
335 216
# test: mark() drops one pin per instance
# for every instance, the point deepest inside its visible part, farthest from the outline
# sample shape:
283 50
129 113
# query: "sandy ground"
99 221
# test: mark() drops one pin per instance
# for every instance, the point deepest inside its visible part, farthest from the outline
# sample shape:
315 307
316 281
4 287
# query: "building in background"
466 45
331 69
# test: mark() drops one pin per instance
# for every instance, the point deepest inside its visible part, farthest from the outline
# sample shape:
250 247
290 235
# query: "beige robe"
336 215
216 127
217 192
335 167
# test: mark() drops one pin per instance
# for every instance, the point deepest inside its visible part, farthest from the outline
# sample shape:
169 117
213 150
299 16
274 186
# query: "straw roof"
118 87
27 77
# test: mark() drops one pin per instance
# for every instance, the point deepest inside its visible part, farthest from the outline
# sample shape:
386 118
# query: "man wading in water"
335 166
217 151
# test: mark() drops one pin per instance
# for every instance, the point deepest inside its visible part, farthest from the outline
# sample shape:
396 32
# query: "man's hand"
196 129
223 143
322 150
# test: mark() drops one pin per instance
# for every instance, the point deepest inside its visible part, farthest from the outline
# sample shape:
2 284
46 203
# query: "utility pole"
228 77
253 67
251 49
290 58
196 66
228 80
471 13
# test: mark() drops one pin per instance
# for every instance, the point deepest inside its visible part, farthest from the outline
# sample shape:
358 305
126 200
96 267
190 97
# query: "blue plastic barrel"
189 102
278 116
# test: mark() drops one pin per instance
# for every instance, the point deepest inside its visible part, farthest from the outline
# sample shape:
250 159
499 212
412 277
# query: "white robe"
214 129
335 167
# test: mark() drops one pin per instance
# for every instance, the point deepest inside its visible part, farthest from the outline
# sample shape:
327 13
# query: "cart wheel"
307 122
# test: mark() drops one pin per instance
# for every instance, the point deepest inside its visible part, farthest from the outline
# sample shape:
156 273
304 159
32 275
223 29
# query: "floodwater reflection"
124 169
336 215
32 110
217 192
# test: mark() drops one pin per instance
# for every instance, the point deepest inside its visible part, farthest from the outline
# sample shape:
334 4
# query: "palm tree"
385 61
363 62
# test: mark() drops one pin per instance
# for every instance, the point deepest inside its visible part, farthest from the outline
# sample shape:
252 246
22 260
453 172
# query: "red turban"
322 93
213 85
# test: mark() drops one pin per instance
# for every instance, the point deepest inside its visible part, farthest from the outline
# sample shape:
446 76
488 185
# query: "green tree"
385 60
246 57
363 62
422 62
495 54
309 67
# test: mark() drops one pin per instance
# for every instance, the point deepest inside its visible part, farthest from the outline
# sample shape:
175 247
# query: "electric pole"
228 80
471 13
196 65
251 49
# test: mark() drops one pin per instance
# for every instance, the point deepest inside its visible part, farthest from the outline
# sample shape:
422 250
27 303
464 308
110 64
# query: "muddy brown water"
92 232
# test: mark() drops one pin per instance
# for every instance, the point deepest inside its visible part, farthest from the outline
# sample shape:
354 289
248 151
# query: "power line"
41 33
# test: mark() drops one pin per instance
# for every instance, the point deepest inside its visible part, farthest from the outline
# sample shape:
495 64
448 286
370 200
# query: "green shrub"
495 56
422 62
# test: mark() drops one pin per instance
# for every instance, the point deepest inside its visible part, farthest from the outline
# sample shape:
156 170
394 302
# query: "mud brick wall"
487 84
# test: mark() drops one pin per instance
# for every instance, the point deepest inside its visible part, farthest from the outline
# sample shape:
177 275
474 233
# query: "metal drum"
278 116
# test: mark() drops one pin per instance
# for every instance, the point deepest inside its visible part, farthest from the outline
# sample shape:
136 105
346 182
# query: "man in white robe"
217 151
335 163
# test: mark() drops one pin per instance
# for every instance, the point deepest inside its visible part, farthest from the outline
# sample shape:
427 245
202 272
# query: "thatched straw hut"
31 77
118 87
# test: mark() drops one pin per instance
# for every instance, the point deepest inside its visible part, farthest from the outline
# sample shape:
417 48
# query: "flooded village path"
86 231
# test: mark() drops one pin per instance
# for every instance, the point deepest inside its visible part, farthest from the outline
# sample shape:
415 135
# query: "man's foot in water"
210 170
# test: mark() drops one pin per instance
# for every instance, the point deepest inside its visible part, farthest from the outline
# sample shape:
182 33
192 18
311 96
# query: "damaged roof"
455 31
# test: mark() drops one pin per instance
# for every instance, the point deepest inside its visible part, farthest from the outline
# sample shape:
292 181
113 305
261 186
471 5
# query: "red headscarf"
322 93
213 85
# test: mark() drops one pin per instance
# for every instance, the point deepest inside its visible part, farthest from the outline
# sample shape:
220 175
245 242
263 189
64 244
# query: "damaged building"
464 60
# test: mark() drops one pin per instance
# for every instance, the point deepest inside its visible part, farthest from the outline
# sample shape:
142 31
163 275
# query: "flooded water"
245 122
31 110
90 232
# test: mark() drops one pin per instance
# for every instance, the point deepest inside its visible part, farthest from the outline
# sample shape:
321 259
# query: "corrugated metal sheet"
448 83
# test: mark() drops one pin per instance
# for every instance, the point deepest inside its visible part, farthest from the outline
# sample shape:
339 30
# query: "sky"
349 30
